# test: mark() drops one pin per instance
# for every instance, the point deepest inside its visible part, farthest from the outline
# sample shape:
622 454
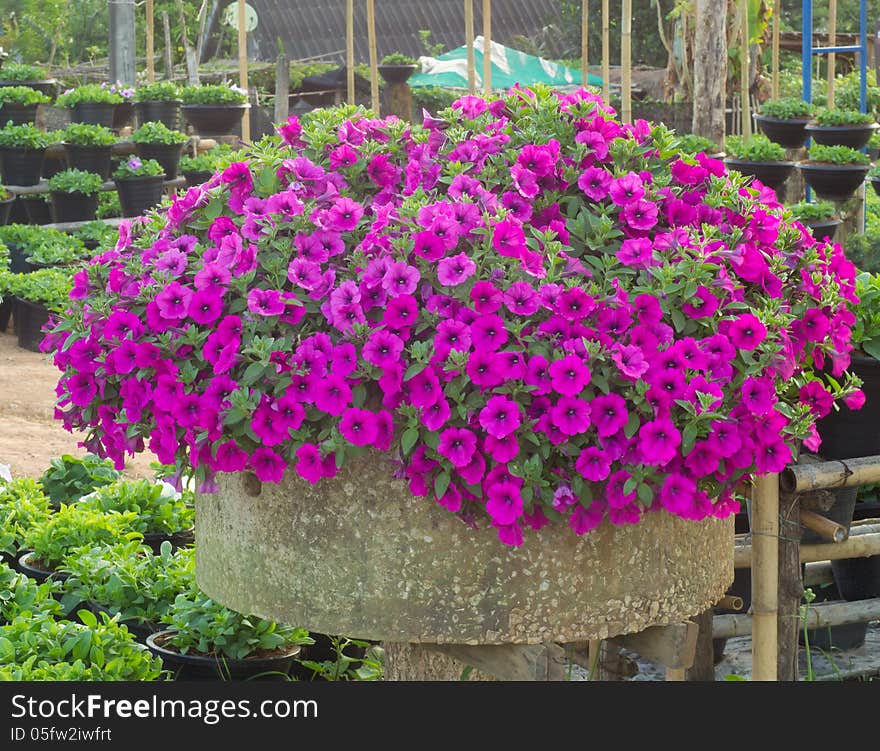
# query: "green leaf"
441 483
87 617
408 439
632 424
872 347
252 373
414 370
646 494
630 486
689 437
677 319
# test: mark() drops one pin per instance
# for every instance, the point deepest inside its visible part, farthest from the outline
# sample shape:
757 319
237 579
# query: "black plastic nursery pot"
94 113
772 174
17 262
196 177
123 115
97 159
6 306
37 209
6 210
823 230
167 113
790 133
875 184
19 114
196 667
850 434
73 207
139 194
49 86
833 182
31 567
857 578
168 155
397 73
30 317
854 136
21 166
182 539
214 119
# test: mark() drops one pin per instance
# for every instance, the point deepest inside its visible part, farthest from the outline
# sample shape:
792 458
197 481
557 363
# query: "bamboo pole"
731 602
374 57
606 52
862 542
469 42
818 572
819 615
626 61
487 47
765 576
821 525
832 42
349 50
282 89
777 11
800 478
243 69
167 53
585 40
151 66
744 69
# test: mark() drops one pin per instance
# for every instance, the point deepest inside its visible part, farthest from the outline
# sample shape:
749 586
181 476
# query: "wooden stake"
243 69
801 478
626 61
744 70
863 540
374 56
469 42
832 42
821 525
790 588
606 52
765 576
282 89
585 39
777 12
349 50
168 57
151 69
487 47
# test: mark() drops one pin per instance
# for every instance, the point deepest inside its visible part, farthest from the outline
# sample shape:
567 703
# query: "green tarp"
509 67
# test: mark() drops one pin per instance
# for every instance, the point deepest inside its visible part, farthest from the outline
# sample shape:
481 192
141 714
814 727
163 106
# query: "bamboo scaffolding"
801 478
469 42
765 576
626 61
744 69
243 69
818 572
167 55
606 52
862 542
487 47
585 42
150 43
374 57
777 11
832 42
730 602
819 615
349 50
821 525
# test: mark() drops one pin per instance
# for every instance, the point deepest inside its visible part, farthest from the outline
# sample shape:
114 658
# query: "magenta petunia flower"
382 348
332 394
400 279
772 456
485 368
500 417
583 520
308 465
571 415
173 301
569 376
435 415
758 394
451 499
703 459
358 426
593 464
344 215
487 298
659 441
637 252
627 189
401 312
574 304
82 389
504 503
817 397
630 360
608 414
267 465
488 332
640 215
423 389
502 450
614 490
677 494
521 299
747 332
455 270
856 400
563 498
457 445
726 437
701 305
451 335
595 182
472 473
230 458
428 246
508 238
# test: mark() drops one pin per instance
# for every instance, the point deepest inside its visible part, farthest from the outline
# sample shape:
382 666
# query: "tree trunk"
710 70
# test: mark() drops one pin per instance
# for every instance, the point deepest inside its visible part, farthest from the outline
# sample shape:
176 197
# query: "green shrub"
208 161
838 117
75 181
12 71
789 108
20 594
397 58
26 136
757 148
688 143
96 233
837 155
85 134
213 94
48 287
155 507
90 92
23 505
108 205
432 98
160 91
68 478
23 95
155 132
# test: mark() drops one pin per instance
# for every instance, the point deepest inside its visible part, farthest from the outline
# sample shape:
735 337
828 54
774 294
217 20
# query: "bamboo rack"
487 47
830 530
863 541
469 41
626 61
374 56
606 51
349 51
765 577
800 478
243 68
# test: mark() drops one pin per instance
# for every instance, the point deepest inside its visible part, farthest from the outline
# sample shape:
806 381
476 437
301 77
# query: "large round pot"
850 434
139 194
823 230
854 136
37 209
182 539
73 207
94 113
30 567
6 210
195 667
97 159
772 174
164 112
359 555
875 184
789 133
214 119
167 154
857 578
30 317
397 73
19 114
833 182
196 177
21 166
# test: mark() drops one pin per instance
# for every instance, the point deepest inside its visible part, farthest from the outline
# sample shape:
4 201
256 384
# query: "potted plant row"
154 140
74 195
18 104
213 109
89 148
32 247
784 121
32 76
23 505
140 185
396 67
200 168
834 172
834 127
819 216
158 102
759 157
91 103
22 150
37 296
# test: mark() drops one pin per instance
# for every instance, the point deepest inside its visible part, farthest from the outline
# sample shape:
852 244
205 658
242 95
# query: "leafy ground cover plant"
691 144
23 506
75 181
43 245
135 167
838 117
155 132
85 134
48 287
68 478
12 71
397 58
41 648
159 91
866 329
20 595
836 155
90 92
546 316
757 148
816 211
346 667
22 95
25 136
96 233
213 94
789 108
155 506
208 161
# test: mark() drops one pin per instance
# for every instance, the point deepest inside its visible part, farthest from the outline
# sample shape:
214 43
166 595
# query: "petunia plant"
541 315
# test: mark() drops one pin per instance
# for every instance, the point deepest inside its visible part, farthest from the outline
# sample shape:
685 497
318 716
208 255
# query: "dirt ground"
29 436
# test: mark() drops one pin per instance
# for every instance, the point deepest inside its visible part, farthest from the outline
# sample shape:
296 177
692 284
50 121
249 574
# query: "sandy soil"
29 436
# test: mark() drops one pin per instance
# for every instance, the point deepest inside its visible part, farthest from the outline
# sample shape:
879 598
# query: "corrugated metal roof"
313 28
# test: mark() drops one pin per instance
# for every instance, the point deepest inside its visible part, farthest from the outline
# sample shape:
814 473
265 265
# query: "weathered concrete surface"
359 555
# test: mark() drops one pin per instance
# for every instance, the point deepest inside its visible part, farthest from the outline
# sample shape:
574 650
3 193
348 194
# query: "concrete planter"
359 555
